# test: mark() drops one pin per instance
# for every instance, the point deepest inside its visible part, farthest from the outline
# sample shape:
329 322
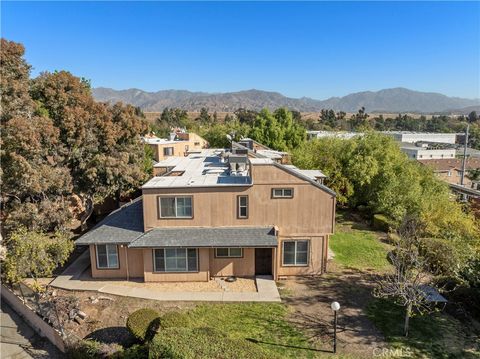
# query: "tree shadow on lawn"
256 341
113 335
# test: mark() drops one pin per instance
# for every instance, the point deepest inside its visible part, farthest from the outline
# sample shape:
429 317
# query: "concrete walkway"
72 279
19 341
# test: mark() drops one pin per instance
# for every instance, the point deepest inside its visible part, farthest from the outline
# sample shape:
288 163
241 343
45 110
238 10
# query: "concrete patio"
76 277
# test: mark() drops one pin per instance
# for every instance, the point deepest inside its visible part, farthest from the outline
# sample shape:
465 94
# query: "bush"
192 343
393 238
134 352
382 223
143 323
175 320
87 349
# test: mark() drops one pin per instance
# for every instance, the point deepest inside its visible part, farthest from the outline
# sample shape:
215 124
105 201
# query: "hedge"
175 320
143 323
193 343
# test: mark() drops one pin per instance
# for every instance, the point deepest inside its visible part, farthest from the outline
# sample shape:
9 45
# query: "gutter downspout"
126 259
464 162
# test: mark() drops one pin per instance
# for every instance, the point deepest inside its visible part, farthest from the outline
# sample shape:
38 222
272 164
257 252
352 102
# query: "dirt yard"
310 299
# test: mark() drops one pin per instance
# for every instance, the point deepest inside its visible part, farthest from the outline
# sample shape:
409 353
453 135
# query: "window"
107 256
282 192
176 207
295 253
242 206
229 252
175 260
168 151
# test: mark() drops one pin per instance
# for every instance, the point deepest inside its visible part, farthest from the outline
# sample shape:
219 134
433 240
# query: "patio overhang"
246 237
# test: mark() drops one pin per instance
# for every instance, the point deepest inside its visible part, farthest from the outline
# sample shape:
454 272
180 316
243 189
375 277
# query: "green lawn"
437 335
359 249
262 323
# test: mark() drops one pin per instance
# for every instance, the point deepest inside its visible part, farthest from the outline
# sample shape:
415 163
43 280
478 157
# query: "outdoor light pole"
335 307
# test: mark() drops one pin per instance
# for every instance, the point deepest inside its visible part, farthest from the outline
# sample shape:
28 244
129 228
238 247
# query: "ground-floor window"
228 252
107 256
295 253
175 260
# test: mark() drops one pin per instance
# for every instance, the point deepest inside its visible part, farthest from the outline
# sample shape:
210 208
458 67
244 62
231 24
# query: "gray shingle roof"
207 237
121 226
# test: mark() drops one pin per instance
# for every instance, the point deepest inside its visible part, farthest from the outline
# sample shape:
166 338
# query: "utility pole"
464 162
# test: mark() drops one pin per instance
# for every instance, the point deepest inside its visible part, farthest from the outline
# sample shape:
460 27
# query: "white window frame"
107 252
165 257
283 195
239 207
229 255
295 264
159 199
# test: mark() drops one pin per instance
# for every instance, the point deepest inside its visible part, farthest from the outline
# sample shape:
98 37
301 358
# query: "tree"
359 120
246 116
406 286
328 118
204 117
100 144
35 254
472 117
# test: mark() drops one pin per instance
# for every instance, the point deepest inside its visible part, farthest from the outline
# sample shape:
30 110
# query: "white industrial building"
413 137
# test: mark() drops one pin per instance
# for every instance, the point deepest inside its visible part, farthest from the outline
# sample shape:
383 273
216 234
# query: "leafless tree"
406 285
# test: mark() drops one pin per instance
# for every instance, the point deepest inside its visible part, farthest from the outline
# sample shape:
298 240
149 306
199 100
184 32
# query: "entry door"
263 261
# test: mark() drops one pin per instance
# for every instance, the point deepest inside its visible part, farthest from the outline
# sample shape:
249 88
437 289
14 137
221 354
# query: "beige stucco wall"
135 264
202 275
241 267
309 212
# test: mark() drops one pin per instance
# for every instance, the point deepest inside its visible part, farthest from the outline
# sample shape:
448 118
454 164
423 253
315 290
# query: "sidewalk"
73 279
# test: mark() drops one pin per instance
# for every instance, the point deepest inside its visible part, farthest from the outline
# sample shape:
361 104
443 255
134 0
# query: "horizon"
277 92
315 50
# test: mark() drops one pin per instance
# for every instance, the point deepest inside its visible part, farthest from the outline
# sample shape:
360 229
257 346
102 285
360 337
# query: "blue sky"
314 49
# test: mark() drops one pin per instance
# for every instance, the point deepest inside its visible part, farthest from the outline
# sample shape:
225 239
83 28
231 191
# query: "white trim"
295 253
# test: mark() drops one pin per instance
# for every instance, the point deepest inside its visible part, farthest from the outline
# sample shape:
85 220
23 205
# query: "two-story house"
217 213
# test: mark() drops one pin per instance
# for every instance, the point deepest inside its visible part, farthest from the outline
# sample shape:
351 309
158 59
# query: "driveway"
19 341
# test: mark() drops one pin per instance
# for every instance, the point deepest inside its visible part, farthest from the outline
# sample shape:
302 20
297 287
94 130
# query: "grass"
359 249
436 335
262 323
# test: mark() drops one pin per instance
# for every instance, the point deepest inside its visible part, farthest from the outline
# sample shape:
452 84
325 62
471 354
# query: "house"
216 213
254 149
180 143
450 170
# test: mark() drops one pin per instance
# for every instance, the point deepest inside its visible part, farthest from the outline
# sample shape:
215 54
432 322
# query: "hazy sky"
314 49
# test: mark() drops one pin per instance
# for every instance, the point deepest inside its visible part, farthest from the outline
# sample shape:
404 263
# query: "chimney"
172 136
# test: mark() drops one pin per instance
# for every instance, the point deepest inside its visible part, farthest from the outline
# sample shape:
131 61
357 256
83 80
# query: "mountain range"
387 100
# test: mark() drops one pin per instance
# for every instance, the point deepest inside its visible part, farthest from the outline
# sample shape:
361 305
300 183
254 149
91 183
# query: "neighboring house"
179 144
217 213
258 150
450 170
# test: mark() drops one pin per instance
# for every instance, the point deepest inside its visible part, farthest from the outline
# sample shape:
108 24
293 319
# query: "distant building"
413 137
338 134
427 150
450 170
178 144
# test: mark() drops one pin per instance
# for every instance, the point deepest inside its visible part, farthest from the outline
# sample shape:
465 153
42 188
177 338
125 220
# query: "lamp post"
335 307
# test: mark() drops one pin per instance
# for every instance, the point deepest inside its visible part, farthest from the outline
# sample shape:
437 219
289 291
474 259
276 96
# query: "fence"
31 317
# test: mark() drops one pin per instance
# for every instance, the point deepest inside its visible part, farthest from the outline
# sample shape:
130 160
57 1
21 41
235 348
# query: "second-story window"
176 207
282 192
168 151
242 207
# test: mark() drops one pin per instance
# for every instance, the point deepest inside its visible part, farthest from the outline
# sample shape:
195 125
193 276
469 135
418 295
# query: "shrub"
134 352
143 323
192 343
175 320
393 238
92 349
382 223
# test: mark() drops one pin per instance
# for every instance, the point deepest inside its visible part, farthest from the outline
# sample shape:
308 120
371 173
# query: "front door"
263 261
